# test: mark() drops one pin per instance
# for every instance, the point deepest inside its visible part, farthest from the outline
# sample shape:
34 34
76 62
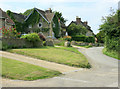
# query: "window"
40 25
30 26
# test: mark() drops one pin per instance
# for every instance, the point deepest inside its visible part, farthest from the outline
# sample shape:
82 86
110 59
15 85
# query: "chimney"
49 10
78 20
85 23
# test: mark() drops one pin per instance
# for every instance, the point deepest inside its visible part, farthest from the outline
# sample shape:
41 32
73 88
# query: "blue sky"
88 10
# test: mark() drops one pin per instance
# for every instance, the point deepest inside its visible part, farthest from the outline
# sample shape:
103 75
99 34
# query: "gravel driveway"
104 73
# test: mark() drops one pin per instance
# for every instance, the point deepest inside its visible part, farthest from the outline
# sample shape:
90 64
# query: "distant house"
5 20
85 24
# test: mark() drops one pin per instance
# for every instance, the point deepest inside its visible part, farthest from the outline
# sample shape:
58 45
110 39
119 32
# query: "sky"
88 10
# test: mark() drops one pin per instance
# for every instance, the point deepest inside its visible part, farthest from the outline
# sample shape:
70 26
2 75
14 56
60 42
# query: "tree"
59 15
74 29
100 36
111 28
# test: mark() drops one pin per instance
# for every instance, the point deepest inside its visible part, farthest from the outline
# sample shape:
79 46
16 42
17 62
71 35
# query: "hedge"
89 39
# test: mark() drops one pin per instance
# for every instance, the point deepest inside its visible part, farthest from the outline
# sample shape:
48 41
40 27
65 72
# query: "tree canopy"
111 28
74 29
60 16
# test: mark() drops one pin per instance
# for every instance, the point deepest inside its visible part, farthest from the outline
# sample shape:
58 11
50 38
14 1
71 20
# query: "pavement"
104 73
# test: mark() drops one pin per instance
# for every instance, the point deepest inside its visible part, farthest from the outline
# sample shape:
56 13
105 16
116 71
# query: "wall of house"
1 23
36 28
89 33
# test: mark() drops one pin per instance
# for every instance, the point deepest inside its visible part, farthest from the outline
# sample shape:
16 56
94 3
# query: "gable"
4 15
47 16
34 18
40 12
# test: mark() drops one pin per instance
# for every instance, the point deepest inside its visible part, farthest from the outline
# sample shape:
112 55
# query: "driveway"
104 73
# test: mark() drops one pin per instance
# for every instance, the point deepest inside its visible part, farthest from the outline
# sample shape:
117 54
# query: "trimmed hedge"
83 38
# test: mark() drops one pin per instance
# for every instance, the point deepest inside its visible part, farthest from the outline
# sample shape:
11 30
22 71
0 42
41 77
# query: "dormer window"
40 25
30 26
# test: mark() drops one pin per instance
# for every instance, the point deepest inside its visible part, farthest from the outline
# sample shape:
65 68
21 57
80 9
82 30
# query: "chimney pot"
49 10
85 23
78 20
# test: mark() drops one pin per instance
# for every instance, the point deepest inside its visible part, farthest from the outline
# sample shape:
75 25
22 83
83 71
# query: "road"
104 73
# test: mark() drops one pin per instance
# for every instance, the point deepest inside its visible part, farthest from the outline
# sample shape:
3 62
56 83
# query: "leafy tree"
59 15
56 29
74 29
111 28
100 36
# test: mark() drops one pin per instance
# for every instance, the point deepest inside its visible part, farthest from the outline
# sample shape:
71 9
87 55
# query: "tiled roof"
47 16
4 15
19 17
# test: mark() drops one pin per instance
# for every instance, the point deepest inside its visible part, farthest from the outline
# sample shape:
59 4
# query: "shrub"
10 33
79 38
33 38
89 39
68 38
61 43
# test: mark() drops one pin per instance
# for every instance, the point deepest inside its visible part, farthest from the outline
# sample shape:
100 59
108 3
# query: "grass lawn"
14 69
85 46
111 53
70 49
69 56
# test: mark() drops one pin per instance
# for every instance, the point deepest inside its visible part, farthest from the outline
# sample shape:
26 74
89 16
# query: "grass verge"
85 46
14 69
58 55
111 53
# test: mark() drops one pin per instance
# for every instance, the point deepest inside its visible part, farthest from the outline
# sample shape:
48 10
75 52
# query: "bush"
89 39
32 37
9 33
68 38
79 38
61 43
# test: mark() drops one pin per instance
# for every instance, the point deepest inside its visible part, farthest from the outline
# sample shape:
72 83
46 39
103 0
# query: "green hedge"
89 39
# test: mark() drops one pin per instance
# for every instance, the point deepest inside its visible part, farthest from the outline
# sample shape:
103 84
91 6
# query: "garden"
34 45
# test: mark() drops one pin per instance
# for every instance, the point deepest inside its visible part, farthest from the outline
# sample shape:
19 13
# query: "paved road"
104 73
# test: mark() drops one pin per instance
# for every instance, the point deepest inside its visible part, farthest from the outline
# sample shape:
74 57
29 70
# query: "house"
39 21
85 24
5 20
